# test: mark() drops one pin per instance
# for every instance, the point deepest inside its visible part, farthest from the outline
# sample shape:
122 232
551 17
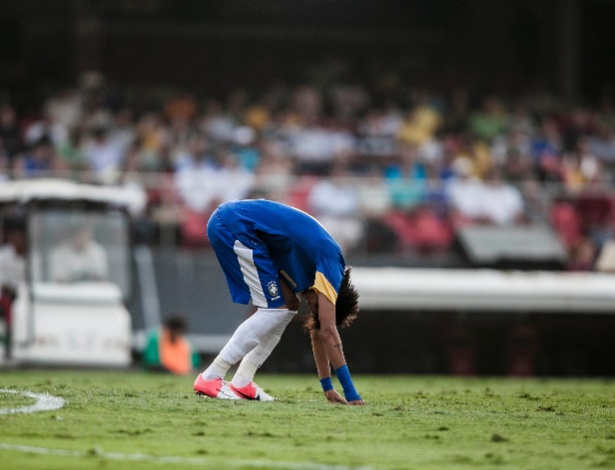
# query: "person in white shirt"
12 274
12 260
335 202
78 259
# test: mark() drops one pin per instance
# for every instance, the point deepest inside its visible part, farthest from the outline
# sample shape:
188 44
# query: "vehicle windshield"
73 245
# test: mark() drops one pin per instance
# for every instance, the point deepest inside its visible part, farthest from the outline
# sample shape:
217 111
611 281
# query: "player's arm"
333 349
324 369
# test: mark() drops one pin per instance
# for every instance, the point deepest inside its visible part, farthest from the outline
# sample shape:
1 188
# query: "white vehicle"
71 310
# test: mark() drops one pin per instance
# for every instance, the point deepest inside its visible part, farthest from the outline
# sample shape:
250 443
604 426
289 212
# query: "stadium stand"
504 164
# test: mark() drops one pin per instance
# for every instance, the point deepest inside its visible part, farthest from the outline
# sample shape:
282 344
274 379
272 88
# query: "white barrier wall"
484 290
79 324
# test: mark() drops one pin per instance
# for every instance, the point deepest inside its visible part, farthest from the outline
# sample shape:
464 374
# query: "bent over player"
270 252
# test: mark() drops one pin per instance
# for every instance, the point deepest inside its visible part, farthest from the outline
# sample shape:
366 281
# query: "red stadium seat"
299 194
431 233
594 209
193 229
420 230
567 223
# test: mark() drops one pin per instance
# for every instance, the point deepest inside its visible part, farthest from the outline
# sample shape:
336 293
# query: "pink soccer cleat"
252 392
215 388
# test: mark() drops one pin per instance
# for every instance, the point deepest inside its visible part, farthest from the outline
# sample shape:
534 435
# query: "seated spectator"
122 131
79 258
10 137
105 158
45 127
374 194
516 141
464 192
517 167
492 201
245 148
315 148
307 103
39 161
233 180
348 100
502 202
583 255
575 125
521 122
217 124
65 108
378 131
72 156
153 137
482 159
490 121
579 166
196 176
546 148
180 107
602 145
167 349
406 178
274 174
375 203
334 201
420 125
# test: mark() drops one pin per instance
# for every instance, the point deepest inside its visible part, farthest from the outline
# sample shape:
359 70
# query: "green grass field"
141 421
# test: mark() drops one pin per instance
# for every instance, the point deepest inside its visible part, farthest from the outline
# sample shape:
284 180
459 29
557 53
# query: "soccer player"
270 252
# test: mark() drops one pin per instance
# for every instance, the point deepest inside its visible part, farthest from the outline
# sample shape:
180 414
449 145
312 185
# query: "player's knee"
235 351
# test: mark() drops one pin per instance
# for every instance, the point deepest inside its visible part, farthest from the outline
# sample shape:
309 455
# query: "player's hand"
335 397
356 402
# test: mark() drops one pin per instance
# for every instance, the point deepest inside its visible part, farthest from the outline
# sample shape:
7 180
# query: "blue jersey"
257 241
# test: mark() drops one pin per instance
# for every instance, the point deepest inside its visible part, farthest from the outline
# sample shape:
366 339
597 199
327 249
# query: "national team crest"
272 287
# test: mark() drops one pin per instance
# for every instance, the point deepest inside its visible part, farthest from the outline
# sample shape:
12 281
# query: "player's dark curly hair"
346 307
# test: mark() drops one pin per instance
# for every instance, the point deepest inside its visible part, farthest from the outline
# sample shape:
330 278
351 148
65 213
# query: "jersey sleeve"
328 279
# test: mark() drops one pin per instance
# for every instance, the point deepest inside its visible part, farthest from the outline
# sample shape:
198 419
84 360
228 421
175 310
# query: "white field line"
44 402
161 459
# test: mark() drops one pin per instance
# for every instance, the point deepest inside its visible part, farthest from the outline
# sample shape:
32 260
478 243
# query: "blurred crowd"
382 176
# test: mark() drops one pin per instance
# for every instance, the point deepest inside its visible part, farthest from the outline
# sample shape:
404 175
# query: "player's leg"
242 380
250 273
254 359
255 338
252 332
